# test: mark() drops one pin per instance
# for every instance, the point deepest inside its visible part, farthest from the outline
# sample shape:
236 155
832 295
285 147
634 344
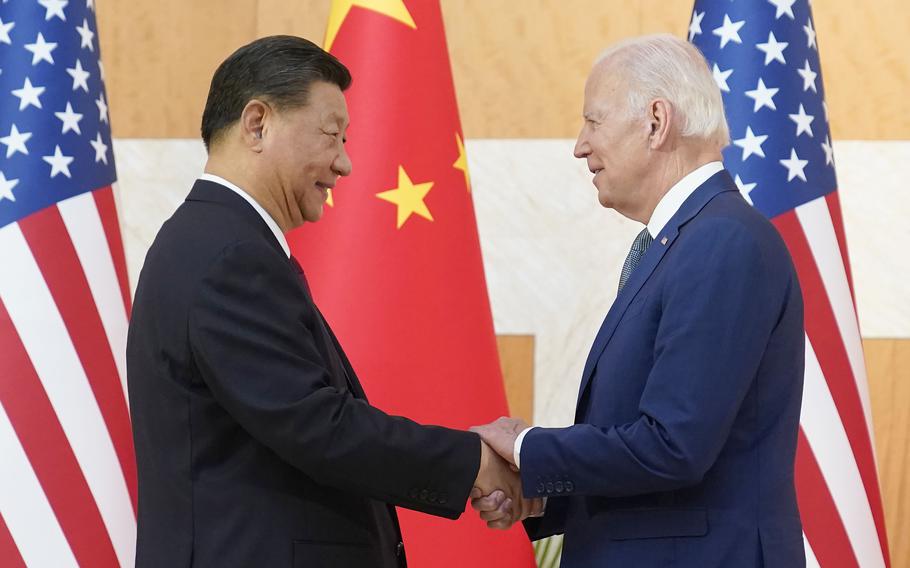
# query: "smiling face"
614 143
304 149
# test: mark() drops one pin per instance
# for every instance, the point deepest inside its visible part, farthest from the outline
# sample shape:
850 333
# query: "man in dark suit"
255 442
686 422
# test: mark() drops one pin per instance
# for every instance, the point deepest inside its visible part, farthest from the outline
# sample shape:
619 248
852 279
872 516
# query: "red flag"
395 262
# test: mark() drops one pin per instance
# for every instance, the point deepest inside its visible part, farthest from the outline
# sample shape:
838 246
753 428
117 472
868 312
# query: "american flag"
67 471
764 56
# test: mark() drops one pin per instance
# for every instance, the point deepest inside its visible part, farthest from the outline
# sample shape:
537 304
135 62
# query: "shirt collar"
279 236
670 203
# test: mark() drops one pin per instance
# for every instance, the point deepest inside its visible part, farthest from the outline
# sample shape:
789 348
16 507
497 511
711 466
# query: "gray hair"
664 66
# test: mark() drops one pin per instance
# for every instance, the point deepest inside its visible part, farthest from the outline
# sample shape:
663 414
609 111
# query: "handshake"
497 495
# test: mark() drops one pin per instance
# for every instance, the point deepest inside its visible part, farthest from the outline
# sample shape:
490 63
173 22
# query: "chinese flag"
395 262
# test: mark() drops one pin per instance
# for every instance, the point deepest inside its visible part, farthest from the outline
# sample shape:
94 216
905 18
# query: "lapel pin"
663 241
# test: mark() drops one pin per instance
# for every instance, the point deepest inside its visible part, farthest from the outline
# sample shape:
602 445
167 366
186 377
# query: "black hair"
276 69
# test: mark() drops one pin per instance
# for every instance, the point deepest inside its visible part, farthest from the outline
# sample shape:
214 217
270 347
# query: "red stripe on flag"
56 257
9 553
821 520
107 208
53 461
822 329
837 220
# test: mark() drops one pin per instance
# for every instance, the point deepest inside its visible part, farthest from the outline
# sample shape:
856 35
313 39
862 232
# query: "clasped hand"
497 495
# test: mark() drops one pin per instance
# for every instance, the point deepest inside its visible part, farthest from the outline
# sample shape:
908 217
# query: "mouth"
595 171
324 188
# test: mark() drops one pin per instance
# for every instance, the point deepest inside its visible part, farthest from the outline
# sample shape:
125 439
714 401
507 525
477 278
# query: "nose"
582 148
342 165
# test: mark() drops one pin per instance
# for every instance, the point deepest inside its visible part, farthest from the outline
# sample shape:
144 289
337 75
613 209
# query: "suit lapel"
716 184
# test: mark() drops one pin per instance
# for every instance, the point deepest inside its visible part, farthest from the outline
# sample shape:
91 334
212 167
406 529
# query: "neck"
674 167
242 174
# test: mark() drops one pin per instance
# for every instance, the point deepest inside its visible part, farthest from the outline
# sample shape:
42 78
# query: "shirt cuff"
516 450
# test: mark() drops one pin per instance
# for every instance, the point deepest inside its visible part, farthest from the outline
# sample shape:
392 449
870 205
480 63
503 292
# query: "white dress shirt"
668 205
279 236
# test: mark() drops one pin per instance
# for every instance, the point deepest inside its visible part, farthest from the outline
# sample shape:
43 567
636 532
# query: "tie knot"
642 241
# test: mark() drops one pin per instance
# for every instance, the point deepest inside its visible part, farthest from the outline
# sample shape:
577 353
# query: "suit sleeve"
249 329
719 307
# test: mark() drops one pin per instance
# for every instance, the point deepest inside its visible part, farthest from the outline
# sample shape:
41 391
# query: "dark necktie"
639 246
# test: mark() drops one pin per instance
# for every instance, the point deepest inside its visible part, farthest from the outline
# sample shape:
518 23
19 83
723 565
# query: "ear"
253 123
660 121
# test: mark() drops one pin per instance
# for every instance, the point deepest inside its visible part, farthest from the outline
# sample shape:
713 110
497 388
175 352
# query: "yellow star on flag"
462 162
408 197
394 9
330 201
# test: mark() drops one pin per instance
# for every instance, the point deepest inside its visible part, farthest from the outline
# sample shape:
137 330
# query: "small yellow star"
394 9
462 162
330 201
408 197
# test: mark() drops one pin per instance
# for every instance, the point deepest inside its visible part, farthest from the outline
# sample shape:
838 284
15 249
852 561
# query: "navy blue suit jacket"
683 447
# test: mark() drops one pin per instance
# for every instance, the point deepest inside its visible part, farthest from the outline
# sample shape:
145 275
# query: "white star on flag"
720 77
80 76
59 163
751 144
102 108
810 35
15 142
28 95
54 8
783 7
6 187
745 188
729 31
803 121
100 149
41 50
795 166
86 35
695 25
829 152
70 119
4 32
763 96
774 50
808 76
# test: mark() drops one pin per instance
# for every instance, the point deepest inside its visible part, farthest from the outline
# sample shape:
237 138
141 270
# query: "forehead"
604 86
326 102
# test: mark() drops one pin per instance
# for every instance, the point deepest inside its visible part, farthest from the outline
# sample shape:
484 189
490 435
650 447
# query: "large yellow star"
330 201
408 197
462 162
394 9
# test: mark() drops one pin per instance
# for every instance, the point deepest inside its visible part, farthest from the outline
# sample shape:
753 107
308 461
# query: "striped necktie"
639 246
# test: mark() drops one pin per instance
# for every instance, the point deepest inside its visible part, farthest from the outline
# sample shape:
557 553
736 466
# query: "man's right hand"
497 493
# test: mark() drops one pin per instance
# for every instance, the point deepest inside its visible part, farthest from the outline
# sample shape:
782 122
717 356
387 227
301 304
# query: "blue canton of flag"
764 56
55 135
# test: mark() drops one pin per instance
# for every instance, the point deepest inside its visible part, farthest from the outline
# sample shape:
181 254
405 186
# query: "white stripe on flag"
25 508
818 227
811 560
828 440
83 222
44 335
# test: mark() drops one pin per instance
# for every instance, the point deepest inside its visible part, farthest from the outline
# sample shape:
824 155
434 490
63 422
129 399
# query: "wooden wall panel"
516 356
519 68
888 364
159 58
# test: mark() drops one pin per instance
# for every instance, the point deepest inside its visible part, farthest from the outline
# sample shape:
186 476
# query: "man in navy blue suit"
682 451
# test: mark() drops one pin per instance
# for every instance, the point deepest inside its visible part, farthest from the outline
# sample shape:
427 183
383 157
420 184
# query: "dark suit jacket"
687 418
255 443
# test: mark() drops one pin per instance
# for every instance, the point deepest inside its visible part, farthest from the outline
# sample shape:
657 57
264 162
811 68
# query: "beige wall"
519 68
